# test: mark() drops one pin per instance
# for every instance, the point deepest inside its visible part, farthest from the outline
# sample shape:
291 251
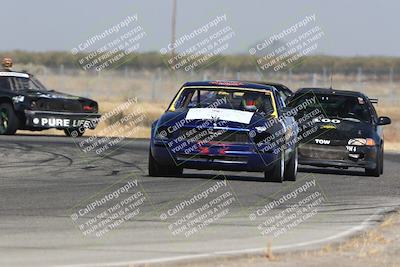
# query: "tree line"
309 64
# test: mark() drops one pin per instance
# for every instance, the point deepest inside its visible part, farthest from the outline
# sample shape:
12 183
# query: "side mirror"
384 121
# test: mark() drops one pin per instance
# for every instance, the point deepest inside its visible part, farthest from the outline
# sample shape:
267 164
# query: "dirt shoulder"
379 246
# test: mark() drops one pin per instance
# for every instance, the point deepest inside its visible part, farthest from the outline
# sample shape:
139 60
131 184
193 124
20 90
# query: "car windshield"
20 84
246 100
346 107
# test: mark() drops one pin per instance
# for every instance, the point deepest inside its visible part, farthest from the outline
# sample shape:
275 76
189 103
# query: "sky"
351 28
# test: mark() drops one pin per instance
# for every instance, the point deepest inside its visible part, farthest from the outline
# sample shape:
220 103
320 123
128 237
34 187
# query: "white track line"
349 232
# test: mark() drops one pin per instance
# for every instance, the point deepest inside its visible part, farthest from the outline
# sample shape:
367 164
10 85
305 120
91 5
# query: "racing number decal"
326 120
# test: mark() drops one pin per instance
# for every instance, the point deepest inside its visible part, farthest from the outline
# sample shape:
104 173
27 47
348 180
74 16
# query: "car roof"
278 86
332 91
231 83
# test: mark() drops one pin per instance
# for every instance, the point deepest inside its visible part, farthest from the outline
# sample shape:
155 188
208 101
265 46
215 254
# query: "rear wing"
373 100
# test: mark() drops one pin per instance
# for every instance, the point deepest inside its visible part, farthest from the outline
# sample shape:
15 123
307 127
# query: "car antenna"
331 79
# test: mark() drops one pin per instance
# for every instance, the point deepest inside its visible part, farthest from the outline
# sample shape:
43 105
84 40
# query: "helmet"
250 101
7 63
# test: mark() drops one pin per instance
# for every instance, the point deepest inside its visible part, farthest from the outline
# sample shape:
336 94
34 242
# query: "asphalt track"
44 180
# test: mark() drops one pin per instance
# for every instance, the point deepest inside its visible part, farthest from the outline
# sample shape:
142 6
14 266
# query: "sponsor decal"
328 126
14 74
58 96
64 123
18 99
260 129
227 83
216 114
322 141
351 148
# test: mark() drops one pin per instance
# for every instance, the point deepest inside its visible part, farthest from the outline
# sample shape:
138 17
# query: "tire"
73 132
375 172
276 173
291 167
9 121
157 170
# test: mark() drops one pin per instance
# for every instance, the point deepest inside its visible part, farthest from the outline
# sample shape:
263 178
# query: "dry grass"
368 245
151 112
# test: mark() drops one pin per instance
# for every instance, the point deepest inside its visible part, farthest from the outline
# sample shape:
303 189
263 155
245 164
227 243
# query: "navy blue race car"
348 131
225 125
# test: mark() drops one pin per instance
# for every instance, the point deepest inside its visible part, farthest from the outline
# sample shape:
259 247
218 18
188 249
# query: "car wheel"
276 173
377 170
73 132
156 170
291 167
9 121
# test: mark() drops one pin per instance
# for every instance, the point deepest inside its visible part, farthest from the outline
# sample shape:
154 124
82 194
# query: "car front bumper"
233 158
338 156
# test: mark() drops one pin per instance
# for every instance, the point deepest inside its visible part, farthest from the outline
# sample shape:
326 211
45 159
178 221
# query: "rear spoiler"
373 100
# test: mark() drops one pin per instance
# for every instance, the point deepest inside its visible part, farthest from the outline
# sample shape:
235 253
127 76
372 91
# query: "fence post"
205 76
62 77
359 75
314 79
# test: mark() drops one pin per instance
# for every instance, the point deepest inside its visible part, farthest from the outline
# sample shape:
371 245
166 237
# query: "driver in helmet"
6 64
251 101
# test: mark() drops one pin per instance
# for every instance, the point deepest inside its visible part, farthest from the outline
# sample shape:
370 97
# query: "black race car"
26 104
346 130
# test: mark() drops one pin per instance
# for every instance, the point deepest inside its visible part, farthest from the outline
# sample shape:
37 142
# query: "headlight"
362 142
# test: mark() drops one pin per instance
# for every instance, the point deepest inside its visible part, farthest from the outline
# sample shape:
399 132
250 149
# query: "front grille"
58 105
213 158
210 135
323 152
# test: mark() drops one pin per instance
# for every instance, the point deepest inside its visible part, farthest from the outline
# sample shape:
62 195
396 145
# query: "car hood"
51 94
194 117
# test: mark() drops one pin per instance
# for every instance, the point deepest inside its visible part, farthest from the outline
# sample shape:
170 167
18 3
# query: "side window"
183 98
5 83
373 112
280 103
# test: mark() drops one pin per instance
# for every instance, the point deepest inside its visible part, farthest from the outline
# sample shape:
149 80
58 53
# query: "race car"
26 104
347 130
225 125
